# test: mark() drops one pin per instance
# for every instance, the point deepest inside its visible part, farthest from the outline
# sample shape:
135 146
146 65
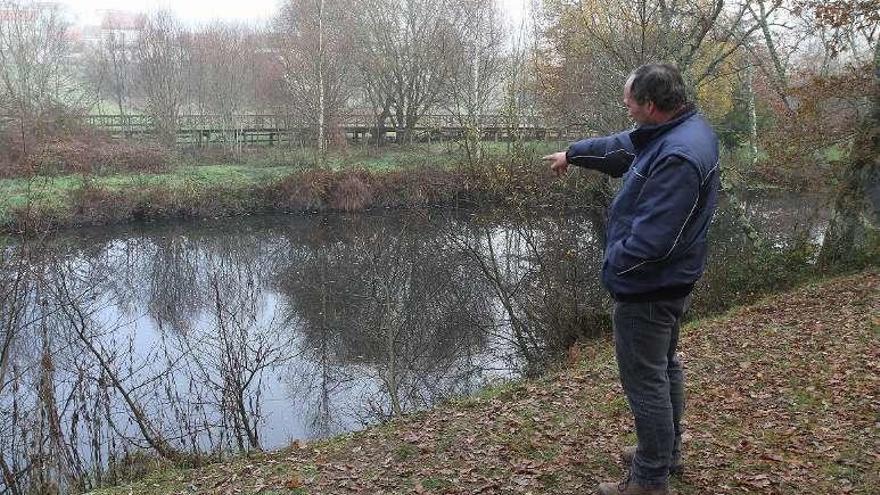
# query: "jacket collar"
642 135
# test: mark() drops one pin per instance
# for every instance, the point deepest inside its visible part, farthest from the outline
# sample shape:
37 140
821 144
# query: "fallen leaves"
294 482
784 397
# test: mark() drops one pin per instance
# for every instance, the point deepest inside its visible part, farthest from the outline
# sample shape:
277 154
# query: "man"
655 251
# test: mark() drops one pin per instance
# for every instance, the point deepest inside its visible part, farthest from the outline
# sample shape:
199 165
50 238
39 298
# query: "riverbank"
292 181
783 398
284 183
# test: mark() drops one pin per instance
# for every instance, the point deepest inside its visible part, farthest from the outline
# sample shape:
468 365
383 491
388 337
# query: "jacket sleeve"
612 155
668 201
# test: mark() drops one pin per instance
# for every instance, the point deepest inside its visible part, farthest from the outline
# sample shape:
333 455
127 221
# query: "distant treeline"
788 79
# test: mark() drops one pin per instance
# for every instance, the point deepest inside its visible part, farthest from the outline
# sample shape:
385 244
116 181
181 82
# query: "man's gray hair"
659 83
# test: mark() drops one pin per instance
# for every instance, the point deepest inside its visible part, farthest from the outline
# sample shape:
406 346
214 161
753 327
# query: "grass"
262 180
17 189
214 182
835 153
389 157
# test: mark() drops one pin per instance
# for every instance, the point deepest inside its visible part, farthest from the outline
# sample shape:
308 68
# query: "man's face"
641 113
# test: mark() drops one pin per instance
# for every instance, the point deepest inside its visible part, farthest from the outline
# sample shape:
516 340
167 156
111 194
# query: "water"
234 334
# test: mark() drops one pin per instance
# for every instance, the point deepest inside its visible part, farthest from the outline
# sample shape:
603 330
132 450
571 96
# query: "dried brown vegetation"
502 184
827 114
58 143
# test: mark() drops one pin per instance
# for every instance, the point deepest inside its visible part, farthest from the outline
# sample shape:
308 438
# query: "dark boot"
628 487
629 453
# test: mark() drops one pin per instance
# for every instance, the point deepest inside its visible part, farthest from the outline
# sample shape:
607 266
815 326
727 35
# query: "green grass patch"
803 400
50 193
494 392
60 197
405 451
389 157
615 406
436 484
836 153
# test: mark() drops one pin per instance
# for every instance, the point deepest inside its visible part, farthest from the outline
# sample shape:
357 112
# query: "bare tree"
110 68
314 39
43 400
224 77
478 71
32 55
34 74
84 329
161 58
406 59
13 303
232 356
589 50
856 215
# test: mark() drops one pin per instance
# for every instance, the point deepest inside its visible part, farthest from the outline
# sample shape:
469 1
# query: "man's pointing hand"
558 163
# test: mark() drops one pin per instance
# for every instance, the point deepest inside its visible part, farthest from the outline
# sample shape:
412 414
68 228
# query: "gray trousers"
645 341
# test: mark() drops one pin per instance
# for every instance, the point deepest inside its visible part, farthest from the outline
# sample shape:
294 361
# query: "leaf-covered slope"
783 397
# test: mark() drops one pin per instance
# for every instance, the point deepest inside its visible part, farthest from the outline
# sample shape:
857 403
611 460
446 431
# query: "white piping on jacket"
606 154
709 173
675 243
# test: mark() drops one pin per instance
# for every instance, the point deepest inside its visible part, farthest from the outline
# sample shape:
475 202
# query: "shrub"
352 191
57 142
419 187
306 191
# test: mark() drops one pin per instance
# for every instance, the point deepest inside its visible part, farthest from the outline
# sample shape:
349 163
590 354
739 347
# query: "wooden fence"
268 129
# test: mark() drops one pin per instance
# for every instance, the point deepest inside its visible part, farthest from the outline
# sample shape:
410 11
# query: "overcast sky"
202 11
193 11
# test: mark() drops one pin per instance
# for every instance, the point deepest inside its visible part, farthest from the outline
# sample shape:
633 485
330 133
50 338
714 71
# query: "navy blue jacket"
656 234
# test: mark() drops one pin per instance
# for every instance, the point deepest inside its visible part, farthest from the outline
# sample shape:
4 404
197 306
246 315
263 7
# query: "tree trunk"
753 117
322 110
381 127
779 79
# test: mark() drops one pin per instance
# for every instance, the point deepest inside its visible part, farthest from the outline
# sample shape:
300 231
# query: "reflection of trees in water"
56 402
224 335
541 274
176 291
782 220
180 273
424 307
172 269
19 376
78 394
388 299
228 358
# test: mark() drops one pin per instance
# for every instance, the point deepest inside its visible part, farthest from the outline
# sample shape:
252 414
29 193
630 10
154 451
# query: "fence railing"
274 129
277 122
